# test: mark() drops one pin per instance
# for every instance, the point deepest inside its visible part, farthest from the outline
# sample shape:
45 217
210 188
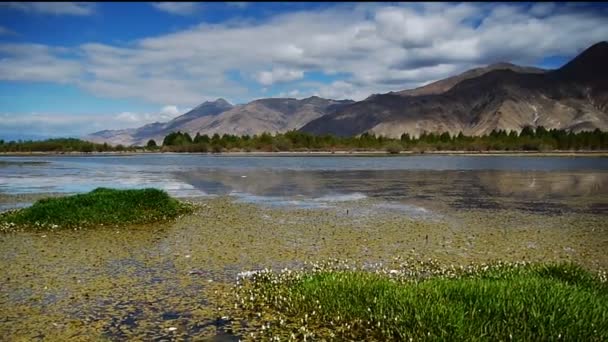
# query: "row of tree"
529 139
57 145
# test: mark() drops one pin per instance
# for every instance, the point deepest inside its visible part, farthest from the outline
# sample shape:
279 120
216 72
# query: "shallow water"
172 281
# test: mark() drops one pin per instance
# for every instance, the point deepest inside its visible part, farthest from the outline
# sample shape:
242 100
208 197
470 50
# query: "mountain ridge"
573 97
219 116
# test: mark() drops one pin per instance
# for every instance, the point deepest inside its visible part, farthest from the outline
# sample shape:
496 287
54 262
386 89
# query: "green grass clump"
101 206
524 303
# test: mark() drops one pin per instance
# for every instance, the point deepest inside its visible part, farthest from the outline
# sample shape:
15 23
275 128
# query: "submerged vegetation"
99 207
529 139
422 300
175 281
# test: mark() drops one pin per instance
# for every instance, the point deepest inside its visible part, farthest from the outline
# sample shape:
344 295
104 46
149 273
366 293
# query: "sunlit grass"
99 207
499 302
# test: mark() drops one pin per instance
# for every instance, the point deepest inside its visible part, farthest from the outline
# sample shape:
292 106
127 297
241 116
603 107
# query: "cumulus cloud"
178 8
37 62
295 93
54 124
344 90
170 111
279 75
55 8
368 48
57 124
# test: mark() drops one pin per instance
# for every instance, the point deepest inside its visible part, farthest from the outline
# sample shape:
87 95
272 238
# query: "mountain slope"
158 130
446 84
573 97
264 115
268 115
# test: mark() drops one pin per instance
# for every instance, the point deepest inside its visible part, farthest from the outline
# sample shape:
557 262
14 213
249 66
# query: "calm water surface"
552 184
164 282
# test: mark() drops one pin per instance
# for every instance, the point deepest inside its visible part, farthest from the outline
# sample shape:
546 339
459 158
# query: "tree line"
529 139
58 145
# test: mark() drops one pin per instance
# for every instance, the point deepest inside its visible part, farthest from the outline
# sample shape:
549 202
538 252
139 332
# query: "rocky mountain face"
158 130
446 84
264 115
508 97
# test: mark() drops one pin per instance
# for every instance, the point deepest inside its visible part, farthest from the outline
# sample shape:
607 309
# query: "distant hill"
264 115
504 96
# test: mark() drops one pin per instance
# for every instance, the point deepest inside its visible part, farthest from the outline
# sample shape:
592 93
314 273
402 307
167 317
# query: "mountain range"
499 96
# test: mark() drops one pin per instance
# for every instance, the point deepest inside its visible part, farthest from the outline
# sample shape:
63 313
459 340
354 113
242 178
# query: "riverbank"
326 153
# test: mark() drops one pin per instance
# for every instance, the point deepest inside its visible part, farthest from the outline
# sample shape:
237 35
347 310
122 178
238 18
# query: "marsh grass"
99 207
500 302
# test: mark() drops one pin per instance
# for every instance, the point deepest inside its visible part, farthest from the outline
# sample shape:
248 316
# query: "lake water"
546 184
172 281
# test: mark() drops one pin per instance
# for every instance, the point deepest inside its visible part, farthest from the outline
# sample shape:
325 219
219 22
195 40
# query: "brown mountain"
264 115
574 97
446 84
158 130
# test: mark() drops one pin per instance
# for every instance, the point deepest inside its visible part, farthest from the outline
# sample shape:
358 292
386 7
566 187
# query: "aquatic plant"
99 207
423 300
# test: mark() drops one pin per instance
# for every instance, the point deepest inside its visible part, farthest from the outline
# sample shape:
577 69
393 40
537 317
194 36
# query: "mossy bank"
100 207
427 301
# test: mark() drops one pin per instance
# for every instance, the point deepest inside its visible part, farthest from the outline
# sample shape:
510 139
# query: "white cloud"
56 124
292 93
55 8
370 48
278 75
341 90
36 62
170 110
178 8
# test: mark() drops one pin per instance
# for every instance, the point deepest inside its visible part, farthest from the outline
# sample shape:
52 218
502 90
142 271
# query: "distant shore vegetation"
529 139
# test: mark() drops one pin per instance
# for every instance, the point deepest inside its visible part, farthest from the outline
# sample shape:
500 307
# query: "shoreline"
341 153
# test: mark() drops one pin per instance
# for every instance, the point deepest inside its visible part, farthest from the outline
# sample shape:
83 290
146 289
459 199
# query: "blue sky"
74 68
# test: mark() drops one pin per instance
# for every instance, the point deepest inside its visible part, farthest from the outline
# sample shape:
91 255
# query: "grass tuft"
101 206
496 302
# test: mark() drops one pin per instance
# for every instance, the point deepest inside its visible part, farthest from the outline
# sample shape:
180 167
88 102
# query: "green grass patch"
101 206
504 302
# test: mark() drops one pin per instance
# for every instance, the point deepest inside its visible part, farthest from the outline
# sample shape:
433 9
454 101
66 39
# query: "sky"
69 68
